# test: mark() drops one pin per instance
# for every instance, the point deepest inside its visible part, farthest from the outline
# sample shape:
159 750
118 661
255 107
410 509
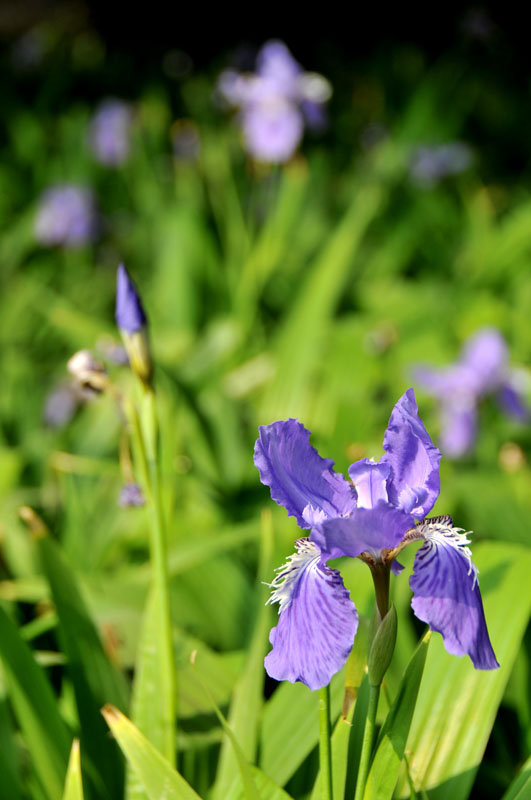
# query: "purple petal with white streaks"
316 627
414 482
297 475
447 597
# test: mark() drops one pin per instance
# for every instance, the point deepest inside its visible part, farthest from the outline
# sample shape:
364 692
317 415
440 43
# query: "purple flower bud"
110 133
131 495
130 316
66 216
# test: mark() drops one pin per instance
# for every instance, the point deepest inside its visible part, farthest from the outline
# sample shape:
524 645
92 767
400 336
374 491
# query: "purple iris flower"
374 516
110 132
481 370
66 216
130 496
275 102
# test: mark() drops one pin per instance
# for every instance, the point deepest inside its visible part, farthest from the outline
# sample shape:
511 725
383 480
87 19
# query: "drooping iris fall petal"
446 593
317 622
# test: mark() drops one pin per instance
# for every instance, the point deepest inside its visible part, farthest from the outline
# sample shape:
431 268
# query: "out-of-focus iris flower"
275 102
482 369
131 496
374 517
66 216
110 133
430 164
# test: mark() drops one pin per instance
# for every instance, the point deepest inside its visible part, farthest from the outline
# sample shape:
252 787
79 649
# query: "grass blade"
73 783
520 788
45 734
156 774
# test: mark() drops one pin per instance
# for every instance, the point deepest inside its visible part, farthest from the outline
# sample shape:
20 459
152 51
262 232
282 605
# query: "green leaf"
94 679
385 766
290 726
156 774
247 699
73 783
520 788
267 789
45 734
457 704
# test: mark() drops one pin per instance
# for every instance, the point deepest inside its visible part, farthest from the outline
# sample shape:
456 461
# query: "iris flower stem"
145 431
367 743
325 750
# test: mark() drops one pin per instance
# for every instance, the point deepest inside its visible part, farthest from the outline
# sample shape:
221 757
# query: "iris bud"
382 648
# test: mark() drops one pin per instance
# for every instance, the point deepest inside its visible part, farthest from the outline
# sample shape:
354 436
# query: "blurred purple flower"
430 164
481 370
60 405
110 132
129 312
275 102
66 216
375 520
131 495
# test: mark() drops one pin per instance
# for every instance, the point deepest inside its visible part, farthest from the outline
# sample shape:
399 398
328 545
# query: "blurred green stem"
368 738
325 751
145 435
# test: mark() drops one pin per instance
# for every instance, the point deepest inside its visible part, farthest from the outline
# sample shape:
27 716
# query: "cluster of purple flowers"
275 102
431 163
481 370
374 516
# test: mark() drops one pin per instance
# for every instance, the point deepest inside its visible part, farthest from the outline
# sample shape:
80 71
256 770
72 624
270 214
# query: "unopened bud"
131 320
382 648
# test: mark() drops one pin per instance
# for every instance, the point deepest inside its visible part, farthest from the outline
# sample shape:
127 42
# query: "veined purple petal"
297 475
317 623
446 593
129 312
458 426
370 479
364 530
414 483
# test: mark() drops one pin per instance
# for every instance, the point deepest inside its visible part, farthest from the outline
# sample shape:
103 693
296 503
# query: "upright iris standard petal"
130 315
317 623
414 482
297 475
446 593
370 479
486 355
364 530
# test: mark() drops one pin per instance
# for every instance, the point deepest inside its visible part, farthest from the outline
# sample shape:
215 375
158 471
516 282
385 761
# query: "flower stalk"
325 750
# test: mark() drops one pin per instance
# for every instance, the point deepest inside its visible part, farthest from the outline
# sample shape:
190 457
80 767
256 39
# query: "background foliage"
306 290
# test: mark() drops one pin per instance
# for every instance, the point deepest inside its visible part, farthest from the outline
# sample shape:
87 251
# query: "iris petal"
317 623
370 479
297 475
364 530
414 482
446 594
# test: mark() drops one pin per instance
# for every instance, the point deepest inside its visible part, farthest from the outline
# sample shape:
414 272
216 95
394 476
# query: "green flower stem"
368 739
145 438
325 750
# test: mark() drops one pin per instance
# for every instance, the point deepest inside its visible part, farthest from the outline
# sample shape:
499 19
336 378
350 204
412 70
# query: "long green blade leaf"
45 734
94 679
156 774
73 783
520 788
384 770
